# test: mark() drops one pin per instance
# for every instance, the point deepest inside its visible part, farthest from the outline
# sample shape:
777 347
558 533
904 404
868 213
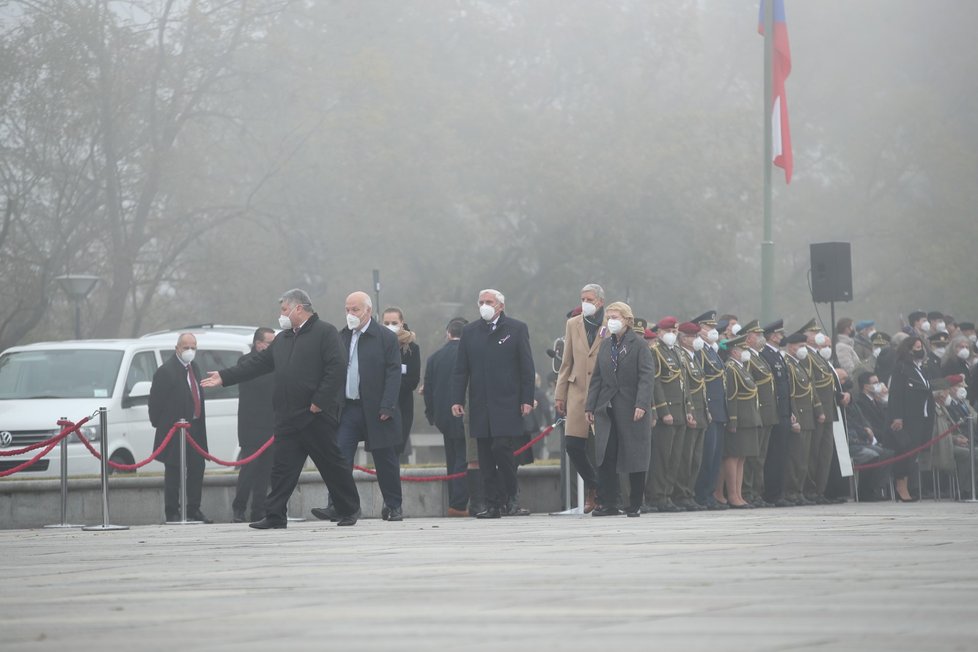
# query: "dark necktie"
194 391
615 348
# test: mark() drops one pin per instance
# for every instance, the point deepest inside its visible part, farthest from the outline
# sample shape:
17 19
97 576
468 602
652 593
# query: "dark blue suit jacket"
379 355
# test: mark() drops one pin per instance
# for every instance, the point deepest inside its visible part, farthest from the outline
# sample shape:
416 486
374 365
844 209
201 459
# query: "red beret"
650 334
954 379
669 322
688 328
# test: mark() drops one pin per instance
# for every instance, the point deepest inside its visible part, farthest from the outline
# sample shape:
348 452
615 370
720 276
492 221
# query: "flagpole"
767 244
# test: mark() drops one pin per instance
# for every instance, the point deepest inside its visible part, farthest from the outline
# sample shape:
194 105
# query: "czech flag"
781 68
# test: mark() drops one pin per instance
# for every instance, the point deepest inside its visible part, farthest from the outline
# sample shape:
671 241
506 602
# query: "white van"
41 383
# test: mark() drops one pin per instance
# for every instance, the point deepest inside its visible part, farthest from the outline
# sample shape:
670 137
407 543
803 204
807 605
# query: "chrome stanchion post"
103 430
971 455
184 427
64 482
566 473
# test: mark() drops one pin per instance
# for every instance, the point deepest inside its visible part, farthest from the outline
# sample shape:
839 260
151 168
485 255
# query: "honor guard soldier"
716 403
754 482
823 378
743 420
777 450
806 414
689 455
671 403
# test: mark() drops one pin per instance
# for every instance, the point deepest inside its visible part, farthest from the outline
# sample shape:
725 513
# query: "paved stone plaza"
850 577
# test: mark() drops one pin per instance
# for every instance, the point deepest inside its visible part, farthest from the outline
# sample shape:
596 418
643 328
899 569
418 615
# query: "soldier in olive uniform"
879 341
824 381
716 402
806 414
761 372
777 451
743 420
671 403
688 456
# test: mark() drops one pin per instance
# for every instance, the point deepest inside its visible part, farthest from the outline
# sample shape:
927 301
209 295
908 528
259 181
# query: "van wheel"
121 457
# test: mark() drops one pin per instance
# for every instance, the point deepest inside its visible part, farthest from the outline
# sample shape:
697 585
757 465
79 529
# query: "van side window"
213 359
142 368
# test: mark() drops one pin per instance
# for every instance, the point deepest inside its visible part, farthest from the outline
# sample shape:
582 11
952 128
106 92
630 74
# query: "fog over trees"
200 157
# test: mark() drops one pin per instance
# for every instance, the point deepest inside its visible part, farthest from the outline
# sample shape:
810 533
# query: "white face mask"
961 393
588 309
925 326
188 355
283 320
820 339
487 312
669 339
801 353
878 387
715 346
745 356
394 328
973 337
940 351
825 352
876 351
947 400
615 326
352 321
942 327
713 335
870 334
698 344
735 328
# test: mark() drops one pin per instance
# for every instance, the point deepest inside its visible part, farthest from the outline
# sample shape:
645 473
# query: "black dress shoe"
513 509
490 512
906 500
269 524
633 512
394 514
668 506
348 520
648 509
601 510
783 502
327 513
385 512
198 515
716 506
239 517
744 506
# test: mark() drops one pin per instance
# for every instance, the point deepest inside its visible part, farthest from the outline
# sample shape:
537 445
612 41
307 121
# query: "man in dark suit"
256 423
438 409
495 365
176 394
777 452
308 361
371 413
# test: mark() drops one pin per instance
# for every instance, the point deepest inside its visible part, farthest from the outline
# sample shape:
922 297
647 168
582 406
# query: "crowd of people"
704 414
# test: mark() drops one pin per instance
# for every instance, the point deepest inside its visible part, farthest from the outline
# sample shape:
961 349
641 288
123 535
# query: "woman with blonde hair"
393 319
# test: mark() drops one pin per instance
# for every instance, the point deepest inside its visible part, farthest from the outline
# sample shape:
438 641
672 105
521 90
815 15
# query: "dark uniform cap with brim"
722 325
774 327
796 338
939 339
708 318
740 342
967 326
810 325
880 338
641 323
753 326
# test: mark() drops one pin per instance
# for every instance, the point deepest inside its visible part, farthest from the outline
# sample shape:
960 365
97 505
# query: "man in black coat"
777 452
371 413
176 394
256 423
438 409
495 365
308 361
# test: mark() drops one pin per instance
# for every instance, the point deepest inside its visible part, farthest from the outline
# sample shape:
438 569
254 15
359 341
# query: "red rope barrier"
250 458
461 474
909 453
137 465
54 441
71 427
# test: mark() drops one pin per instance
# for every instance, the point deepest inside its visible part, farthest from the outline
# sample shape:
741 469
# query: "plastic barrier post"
184 431
64 484
103 427
971 456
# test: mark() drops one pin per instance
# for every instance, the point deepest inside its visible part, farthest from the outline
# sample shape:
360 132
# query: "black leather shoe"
667 506
327 513
633 512
783 502
239 517
351 519
648 509
513 509
269 524
601 510
385 512
198 515
744 506
394 514
715 505
491 512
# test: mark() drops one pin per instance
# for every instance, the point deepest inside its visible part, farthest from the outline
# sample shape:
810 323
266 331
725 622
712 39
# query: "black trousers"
576 448
171 484
252 485
777 460
498 467
316 441
608 487
455 462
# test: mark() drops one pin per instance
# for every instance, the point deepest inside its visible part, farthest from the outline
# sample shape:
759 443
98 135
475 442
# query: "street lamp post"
77 287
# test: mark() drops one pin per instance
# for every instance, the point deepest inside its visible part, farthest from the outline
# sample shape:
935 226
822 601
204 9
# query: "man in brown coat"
582 339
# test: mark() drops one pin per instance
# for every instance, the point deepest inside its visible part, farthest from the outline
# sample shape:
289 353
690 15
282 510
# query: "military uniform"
760 371
806 408
743 412
690 452
823 443
777 452
670 397
716 403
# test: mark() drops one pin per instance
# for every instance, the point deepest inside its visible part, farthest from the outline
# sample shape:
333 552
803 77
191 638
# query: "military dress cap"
810 325
879 338
864 324
774 327
796 338
708 318
752 326
641 323
688 328
667 322
650 334
954 379
916 315
739 341
967 326
939 339
722 325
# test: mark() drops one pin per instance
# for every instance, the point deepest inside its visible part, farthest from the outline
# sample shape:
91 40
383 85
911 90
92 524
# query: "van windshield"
77 373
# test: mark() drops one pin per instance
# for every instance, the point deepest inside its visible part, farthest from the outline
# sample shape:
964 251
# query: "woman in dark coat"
742 439
910 409
410 373
619 405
